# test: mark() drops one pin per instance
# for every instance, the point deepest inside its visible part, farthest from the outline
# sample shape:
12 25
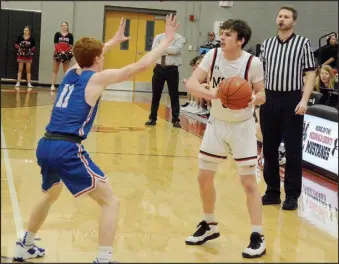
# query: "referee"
286 58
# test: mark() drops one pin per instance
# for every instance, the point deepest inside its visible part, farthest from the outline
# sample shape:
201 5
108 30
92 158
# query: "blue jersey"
71 114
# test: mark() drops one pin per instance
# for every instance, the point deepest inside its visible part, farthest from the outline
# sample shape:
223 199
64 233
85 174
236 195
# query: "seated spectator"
196 105
212 41
192 102
325 82
330 53
325 78
189 96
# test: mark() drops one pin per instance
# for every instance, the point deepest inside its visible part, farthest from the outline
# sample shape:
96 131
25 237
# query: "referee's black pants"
169 74
278 120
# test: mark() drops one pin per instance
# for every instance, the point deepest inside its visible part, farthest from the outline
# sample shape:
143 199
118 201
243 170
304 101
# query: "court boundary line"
12 191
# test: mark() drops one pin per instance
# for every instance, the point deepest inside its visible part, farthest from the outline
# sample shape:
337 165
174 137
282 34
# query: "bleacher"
318 54
326 96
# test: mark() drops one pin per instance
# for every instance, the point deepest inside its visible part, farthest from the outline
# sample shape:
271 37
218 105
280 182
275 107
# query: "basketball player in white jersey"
229 131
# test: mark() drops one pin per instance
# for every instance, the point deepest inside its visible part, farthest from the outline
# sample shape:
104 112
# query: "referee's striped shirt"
285 62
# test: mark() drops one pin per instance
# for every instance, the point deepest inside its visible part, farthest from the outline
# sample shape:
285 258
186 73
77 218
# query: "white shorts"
237 139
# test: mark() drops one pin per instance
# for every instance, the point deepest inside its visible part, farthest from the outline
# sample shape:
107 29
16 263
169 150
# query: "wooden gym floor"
153 171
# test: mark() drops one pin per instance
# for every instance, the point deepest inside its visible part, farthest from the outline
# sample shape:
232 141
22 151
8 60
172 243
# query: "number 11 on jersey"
64 96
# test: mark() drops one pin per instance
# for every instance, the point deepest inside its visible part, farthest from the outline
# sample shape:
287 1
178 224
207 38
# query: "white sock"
209 218
257 228
105 254
28 238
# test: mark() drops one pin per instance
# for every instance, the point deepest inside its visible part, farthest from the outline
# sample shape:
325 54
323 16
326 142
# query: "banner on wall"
319 205
320 143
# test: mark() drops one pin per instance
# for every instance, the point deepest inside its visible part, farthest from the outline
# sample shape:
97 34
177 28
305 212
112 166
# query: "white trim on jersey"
81 130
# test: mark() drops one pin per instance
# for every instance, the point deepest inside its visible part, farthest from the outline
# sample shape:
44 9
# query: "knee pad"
208 165
248 170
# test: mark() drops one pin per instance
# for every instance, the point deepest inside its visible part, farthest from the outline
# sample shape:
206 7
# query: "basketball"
235 92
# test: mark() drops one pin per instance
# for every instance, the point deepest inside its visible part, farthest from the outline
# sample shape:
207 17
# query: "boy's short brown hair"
241 27
85 50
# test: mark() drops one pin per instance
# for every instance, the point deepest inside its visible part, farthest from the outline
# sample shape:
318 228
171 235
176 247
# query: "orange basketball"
235 92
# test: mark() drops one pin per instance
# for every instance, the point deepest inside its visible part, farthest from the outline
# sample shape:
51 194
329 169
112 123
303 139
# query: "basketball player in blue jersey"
60 154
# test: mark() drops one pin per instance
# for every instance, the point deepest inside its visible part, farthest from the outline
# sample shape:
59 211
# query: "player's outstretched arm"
111 76
118 38
100 80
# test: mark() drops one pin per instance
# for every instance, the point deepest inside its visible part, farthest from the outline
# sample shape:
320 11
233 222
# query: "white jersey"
224 68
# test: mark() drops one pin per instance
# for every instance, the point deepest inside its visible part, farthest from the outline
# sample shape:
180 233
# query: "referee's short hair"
293 10
239 26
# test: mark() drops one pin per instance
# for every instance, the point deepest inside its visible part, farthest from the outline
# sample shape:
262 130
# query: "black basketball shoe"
206 231
256 248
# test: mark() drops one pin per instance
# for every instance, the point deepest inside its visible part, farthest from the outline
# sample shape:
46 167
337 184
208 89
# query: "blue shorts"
68 162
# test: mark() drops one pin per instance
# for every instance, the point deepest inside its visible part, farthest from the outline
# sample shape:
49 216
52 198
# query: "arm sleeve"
308 57
177 47
333 53
257 70
56 38
262 54
262 51
206 62
56 42
71 39
156 41
33 45
17 43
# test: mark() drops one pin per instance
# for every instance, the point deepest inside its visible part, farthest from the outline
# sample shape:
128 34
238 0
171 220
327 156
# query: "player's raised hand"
171 27
120 34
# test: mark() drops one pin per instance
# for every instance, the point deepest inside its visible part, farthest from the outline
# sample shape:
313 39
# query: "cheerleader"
25 46
63 42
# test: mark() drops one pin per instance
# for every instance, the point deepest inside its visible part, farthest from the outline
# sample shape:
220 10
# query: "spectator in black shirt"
331 53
